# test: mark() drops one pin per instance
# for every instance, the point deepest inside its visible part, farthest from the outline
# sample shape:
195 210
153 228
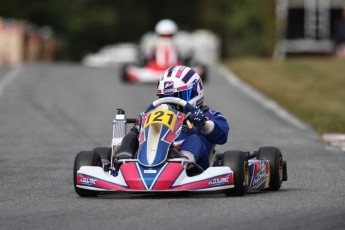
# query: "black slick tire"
238 162
204 76
85 158
123 73
275 157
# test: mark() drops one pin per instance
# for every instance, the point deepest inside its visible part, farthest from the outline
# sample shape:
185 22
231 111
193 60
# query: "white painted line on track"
261 99
9 77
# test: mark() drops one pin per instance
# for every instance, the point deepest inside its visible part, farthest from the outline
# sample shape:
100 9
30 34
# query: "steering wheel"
177 101
171 100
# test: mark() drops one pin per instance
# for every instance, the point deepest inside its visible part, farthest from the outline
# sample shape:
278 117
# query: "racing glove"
197 117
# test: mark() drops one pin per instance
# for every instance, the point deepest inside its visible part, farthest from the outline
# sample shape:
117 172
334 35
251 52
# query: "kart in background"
156 168
151 68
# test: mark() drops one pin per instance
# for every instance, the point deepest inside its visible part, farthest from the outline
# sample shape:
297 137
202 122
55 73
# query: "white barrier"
202 45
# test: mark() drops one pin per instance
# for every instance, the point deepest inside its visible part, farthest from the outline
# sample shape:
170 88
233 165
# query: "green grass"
313 89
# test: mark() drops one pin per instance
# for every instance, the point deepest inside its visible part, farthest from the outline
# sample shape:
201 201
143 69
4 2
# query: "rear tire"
275 157
238 162
204 76
85 158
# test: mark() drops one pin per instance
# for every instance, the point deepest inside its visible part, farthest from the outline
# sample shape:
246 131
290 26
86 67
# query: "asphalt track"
48 113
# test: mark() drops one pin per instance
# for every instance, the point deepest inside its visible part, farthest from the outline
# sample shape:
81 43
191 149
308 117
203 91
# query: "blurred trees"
245 26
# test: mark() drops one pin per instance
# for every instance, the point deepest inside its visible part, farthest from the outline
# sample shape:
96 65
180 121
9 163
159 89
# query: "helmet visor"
186 95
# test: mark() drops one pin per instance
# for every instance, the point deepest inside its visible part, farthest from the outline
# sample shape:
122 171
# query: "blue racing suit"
201 145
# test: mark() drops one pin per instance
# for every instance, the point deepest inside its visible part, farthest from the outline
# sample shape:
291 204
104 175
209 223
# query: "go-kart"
148 164
150 69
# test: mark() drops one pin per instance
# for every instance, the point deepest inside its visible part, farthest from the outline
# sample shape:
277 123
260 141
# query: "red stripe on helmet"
182 88
179 72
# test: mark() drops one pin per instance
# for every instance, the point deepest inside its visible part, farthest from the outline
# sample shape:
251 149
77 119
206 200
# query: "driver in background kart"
162 52
183 82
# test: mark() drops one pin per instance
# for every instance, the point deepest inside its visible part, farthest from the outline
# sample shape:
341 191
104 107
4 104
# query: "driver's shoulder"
208 111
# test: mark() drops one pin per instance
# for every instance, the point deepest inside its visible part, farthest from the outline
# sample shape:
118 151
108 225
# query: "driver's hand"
197 117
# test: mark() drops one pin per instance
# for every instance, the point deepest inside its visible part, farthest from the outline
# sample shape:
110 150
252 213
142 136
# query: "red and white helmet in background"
182 82
166 27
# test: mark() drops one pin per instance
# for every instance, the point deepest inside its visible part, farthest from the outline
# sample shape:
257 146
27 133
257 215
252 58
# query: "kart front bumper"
171 177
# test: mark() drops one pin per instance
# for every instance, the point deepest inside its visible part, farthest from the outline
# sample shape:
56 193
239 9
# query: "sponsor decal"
199 102
261 175
168 91
150 171
219 181
168 87
88 181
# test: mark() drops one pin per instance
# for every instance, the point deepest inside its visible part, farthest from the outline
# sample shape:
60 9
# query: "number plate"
165 117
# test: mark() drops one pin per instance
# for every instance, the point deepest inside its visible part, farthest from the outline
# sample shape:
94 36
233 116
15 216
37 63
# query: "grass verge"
313 89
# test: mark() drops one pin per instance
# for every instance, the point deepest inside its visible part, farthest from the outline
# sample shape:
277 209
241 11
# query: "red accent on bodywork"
154 66
130 75
132 177
172 134
257 166
168 176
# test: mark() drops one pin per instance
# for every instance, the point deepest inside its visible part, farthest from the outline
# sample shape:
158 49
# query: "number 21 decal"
165 117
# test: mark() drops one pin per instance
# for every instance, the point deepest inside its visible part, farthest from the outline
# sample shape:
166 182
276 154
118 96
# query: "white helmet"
182 82
166 27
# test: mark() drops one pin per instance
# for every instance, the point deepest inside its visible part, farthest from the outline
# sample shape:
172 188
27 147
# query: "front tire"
238 162
85 158
123 73
275 157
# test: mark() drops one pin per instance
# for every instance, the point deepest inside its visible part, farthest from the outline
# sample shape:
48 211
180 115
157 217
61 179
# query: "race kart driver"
183 82
187 85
